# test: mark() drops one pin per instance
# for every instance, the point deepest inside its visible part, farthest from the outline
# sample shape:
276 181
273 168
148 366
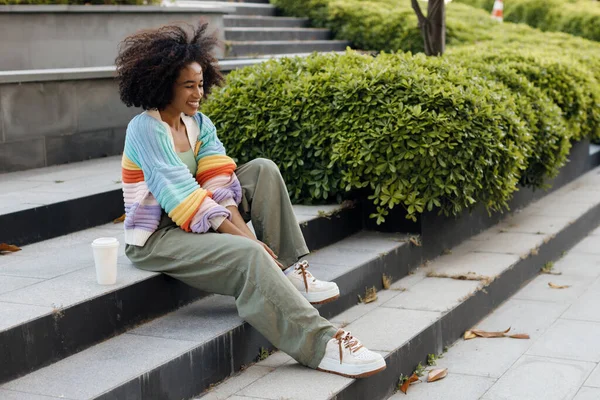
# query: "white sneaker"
346 356
314 290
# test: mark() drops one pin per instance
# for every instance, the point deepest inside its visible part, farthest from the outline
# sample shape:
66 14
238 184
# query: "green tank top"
188 158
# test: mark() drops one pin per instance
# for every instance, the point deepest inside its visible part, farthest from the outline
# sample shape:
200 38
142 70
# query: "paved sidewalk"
560 361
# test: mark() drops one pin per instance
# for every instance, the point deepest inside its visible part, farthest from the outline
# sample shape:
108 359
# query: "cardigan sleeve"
215 169
169 180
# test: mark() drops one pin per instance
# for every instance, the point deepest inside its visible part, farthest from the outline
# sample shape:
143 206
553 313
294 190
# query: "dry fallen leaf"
8 248
386 281
473 333
485 334
519 336
415 241
120 219
437 374
555 286
469 335
407 383
370 295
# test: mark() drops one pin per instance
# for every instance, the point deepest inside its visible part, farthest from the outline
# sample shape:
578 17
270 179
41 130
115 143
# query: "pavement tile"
535 378
72 288
354 313
467 246
374 241
523 316
13 395
535 224
511 243
552 207
240 381
336 255
589 245
586 307
9 283
539 290
594 378
485 357
197 322
452 387
16 314
568 339
483 264
293 381
415 276
275 360
405 324
586 393
434 294
93 371
579 264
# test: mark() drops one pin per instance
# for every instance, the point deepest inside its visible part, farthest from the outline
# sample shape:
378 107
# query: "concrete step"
244 8
49 287
236 21
433 306
246 49
45 203
181 354
275 34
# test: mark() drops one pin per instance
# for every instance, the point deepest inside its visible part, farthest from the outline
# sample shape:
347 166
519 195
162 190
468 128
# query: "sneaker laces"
300 268
346 340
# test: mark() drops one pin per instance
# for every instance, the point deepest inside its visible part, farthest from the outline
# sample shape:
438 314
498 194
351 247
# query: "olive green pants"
236 266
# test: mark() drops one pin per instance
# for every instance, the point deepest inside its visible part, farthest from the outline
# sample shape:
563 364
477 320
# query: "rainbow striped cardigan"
155 179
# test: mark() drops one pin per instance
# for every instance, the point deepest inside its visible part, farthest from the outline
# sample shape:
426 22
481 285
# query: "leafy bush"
580 18
413 131
79 2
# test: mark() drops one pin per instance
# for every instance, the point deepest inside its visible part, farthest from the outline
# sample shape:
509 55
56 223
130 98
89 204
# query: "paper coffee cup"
106 250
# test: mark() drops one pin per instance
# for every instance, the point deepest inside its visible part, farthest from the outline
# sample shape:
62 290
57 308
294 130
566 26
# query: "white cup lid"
105 241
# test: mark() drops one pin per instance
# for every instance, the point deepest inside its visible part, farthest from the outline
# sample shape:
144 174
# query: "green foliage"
577 17
410 131
78 2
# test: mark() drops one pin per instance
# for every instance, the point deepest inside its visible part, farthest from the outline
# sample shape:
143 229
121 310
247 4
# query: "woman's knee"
265 165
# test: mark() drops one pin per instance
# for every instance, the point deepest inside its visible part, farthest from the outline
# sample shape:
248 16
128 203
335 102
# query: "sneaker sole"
329 300
322 298
355 376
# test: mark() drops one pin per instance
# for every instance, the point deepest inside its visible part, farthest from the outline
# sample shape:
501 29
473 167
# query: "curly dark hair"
149 63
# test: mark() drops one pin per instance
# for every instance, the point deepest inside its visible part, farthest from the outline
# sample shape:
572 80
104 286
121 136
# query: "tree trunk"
436 14
433 27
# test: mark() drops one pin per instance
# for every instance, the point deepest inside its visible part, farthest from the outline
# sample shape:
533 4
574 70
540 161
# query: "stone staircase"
52 128
151 337
255 29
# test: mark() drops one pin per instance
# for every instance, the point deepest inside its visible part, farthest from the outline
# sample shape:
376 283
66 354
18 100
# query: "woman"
187 204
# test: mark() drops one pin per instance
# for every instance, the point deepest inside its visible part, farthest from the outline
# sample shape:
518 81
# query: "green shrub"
543 119
410 130
578 17
78 2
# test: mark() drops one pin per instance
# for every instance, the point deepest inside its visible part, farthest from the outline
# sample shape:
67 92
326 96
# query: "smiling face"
188 90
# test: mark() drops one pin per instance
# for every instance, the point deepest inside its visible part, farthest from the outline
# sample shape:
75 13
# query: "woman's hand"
271 253
228 227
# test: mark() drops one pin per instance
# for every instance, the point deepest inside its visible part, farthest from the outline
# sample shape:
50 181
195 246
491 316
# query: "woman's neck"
172 118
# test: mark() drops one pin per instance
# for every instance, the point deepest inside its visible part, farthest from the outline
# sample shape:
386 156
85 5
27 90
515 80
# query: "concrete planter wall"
56 122
50 117
41 37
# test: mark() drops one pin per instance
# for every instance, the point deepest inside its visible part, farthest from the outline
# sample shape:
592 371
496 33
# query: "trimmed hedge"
78 2
499 109
411 130
579 18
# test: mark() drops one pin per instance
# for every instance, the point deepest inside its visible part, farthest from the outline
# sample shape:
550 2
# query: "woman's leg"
236 266
267 204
